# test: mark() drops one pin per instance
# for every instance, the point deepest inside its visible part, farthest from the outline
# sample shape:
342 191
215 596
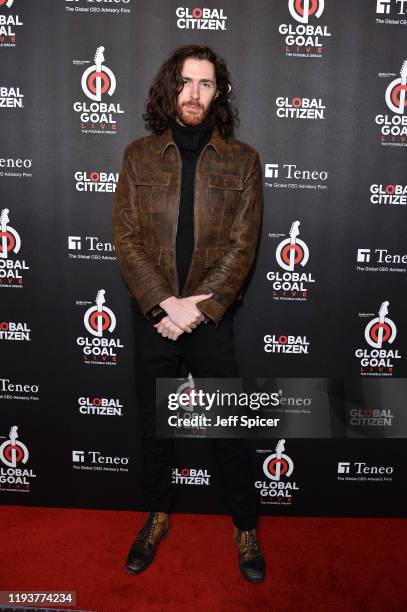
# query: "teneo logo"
8 25
12 331
96 181
14 455
17 391
291 177
15 167
98 81
304 40
95 7
190 476
99 321
300 108
388 194
380 332
200 18
393 128
101 406
11 269
90 248
298 345
391 12
380 260
277 468
292 254
94 460
360 471
11 97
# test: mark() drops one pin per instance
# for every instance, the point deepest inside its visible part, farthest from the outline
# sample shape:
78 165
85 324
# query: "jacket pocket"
153 191
224 193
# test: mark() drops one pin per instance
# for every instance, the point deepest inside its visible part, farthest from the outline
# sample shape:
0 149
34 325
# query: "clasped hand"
182 315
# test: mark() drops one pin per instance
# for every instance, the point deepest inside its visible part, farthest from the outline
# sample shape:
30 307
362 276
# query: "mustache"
192 104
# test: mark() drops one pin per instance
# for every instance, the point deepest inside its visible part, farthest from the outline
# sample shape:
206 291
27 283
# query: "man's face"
194 101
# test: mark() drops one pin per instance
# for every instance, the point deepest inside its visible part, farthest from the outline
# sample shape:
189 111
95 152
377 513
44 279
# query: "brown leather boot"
145 546
251 560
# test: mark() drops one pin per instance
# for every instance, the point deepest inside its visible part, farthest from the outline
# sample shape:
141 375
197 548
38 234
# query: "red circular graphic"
285 253
96 401
390 189
10 239
312 8
197 13
374 332
2 2
7 452
94 176
283 340
185 472
271 467
105 80
95 315
4 326
394 95
297 102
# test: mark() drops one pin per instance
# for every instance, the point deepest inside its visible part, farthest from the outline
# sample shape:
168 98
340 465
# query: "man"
186 220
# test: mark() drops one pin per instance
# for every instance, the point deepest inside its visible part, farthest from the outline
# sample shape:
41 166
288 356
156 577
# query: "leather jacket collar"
216 141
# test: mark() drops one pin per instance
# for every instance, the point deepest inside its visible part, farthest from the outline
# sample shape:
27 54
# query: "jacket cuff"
212 309
151 299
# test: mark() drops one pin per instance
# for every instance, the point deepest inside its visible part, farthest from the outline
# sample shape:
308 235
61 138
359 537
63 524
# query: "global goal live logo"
304 40
380 332
8 24
277 468
99 321
302 10
393 128
13 451
98 82
14 477
291 254
11 269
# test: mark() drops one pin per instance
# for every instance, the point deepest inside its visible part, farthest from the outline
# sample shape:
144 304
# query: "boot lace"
147 532
249 539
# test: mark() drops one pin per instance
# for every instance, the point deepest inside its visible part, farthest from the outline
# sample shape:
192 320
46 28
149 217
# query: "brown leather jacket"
228 207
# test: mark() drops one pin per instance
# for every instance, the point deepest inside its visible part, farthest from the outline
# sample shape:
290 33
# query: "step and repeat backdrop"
321 87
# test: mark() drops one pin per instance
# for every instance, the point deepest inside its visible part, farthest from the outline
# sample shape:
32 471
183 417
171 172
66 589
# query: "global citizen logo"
370 417
8 25
380 332
291 177
14 477
95 7
391 193
277 468
360 471
99 322
15 163
292 254
96 181
200 18
94 249
191 476
293 345
300 108
96 461
305 40
15 331
390 11
393 128
11 269
101 406
380 260
11 97
98 81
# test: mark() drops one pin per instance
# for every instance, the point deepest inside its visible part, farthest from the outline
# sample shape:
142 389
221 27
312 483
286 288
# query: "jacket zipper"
196 172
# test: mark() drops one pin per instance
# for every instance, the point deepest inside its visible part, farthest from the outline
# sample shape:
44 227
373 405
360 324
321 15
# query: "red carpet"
318 564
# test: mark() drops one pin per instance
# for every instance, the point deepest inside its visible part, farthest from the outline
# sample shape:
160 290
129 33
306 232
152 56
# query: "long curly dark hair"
168 83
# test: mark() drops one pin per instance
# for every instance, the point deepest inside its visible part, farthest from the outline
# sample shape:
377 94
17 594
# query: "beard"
191 117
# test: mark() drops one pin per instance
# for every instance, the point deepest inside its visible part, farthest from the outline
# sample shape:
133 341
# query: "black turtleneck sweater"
190 140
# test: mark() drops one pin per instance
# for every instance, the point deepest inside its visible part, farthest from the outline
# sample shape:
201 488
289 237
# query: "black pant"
207 352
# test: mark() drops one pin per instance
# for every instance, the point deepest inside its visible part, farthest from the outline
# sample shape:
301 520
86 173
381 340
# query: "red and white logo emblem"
98 79
380 329
278 464
99 318
12 451
7 3
301 10
9 238
292 251
396 98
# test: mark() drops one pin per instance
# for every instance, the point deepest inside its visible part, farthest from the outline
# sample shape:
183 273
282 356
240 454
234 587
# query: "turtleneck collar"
191 137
